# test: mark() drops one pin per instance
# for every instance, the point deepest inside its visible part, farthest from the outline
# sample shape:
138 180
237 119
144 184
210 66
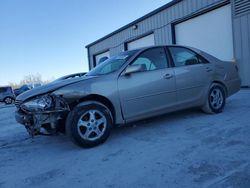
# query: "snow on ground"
3 105
182 149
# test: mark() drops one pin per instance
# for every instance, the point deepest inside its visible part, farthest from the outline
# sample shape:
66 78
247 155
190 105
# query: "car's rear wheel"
8 100
89 125
216 99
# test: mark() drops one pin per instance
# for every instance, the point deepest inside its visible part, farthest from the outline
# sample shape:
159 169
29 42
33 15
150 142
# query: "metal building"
219 27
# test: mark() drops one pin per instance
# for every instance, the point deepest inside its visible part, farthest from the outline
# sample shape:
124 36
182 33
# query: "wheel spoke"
97 131
213 103
87 133
83 123
215 93
220 96
92 115
100 121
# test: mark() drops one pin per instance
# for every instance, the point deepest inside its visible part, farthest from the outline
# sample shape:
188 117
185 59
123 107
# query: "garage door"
210 32
148 40
99 57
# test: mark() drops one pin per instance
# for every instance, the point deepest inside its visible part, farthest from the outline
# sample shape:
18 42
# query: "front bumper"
23 118
40 124
36 120
28 121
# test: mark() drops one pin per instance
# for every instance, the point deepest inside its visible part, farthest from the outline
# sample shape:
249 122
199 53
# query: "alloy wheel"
216 98
91 125
8 100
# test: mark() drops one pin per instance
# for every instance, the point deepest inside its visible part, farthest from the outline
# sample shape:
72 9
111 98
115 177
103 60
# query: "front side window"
183 57
152 59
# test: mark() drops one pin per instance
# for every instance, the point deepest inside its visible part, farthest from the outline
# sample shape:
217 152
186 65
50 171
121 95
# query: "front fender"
105 86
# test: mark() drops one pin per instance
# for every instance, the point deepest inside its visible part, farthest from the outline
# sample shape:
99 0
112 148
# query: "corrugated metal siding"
241 28
241 7
159 23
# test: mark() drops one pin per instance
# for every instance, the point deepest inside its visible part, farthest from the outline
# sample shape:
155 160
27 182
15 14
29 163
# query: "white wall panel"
148 40
210 32
99 56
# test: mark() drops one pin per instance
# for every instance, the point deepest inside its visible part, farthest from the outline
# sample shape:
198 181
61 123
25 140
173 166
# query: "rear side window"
184 57
3 89
152 59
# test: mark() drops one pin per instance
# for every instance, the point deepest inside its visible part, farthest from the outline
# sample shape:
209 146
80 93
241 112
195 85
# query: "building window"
99 58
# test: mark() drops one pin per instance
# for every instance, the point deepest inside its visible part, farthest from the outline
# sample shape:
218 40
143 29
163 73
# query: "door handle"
209 69
168 76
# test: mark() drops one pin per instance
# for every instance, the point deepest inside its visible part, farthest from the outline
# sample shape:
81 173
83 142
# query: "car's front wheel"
8 100
89 125
216 99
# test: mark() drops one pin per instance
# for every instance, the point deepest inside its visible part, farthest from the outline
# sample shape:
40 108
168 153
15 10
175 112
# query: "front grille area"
18 103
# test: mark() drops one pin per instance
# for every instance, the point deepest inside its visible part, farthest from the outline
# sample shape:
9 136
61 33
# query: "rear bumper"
233 86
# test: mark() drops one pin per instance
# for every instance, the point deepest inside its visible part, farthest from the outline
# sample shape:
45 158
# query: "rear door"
193 75
150 92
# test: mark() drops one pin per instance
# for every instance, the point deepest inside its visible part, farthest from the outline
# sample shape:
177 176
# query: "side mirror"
135 68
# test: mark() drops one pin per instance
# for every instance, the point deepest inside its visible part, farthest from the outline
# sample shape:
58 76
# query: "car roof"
155 46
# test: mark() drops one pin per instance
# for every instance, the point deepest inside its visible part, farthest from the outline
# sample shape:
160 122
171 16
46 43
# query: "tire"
8 100
89 125
216 100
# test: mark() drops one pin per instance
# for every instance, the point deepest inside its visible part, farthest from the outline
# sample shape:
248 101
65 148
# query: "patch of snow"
3 105
181 149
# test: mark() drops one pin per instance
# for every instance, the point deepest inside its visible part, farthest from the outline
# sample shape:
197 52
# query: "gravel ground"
182 149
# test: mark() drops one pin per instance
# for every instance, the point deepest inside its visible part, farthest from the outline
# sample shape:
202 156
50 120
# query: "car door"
193 75
149 92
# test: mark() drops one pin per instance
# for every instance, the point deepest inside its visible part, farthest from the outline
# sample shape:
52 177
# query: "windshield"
111 65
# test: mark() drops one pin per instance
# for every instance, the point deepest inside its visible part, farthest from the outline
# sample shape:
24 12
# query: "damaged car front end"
40 115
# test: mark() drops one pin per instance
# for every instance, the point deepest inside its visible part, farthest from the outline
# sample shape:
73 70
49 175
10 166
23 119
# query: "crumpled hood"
50 87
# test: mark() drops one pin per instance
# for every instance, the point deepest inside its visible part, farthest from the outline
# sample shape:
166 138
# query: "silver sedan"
129 87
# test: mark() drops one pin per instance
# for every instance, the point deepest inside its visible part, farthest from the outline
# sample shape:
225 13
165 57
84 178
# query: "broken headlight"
38 104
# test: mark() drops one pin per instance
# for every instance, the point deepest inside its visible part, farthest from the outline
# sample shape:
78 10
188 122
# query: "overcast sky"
49 36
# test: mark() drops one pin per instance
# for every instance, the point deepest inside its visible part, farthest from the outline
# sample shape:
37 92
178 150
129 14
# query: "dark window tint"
183 56
3 89
152 59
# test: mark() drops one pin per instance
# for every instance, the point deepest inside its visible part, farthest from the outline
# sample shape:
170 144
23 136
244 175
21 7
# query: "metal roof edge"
171 3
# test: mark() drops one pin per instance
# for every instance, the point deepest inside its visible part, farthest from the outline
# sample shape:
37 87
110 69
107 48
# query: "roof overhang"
171 3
